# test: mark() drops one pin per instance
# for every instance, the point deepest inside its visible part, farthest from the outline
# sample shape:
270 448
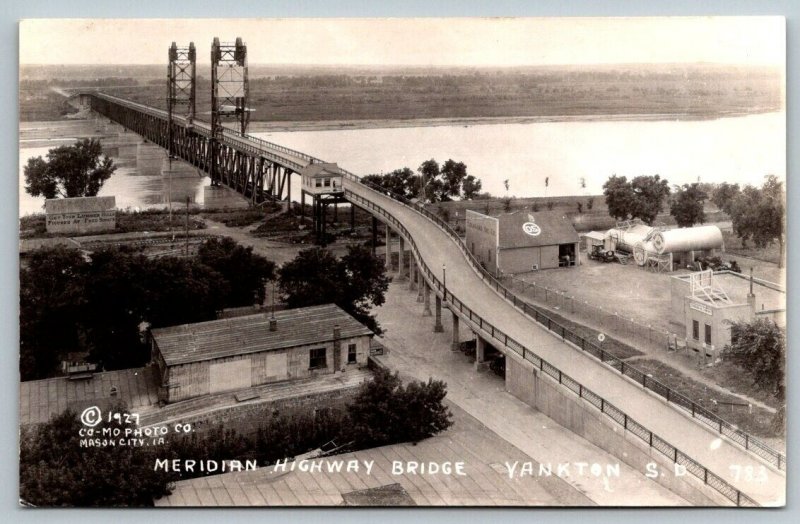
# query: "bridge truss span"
257 169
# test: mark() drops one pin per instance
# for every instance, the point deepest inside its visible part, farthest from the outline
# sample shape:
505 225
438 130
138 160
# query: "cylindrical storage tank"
641 252
626 239
687 239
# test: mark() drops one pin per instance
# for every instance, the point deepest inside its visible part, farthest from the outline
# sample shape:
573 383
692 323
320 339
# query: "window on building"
317 182
327 182
317 359
708 334
695 330
351 354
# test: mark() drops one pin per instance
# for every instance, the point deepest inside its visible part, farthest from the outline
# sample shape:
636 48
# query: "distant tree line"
441 183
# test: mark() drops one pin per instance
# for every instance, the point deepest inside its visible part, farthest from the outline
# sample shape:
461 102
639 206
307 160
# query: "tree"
355 283
589 203
124 290
70 171
580 207
471 187
453 175
385 412
619 197
52 300
56 471
640 198
402 182
724 195
687 205
759 348
99 304
649 194
245 272
758 214
441 184
429 171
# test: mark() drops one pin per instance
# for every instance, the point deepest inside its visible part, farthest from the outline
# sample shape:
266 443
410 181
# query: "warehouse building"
243 352
522 241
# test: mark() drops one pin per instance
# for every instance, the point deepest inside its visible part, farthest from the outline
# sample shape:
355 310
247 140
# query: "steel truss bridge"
660 419
257 169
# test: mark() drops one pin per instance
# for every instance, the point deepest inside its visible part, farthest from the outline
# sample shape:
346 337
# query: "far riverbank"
383 123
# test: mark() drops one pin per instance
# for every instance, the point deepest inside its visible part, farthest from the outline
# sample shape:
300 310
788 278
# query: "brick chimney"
751 297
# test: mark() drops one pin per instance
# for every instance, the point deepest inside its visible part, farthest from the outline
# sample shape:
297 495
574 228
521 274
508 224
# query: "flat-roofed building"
238 353
704 303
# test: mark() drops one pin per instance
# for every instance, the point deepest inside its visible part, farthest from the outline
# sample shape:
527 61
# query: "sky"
415 41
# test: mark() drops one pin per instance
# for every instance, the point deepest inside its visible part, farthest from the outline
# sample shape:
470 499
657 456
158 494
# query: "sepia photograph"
450 262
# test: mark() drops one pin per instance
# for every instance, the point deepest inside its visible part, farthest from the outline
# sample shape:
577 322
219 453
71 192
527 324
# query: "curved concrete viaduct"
436 248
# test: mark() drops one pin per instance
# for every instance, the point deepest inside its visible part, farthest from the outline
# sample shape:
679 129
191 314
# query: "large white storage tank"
627 239
684 239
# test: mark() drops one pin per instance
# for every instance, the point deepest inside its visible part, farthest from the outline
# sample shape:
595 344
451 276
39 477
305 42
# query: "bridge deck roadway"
691 437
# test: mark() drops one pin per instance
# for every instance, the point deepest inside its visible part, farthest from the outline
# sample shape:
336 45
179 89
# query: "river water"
737 149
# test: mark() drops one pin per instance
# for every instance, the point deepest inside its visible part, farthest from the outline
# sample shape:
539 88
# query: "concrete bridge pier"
412 273
437 327
480 351
426 312
401 259
456 345
388 248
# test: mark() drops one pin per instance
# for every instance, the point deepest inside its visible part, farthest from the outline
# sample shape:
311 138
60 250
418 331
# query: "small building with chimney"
704 304
232 354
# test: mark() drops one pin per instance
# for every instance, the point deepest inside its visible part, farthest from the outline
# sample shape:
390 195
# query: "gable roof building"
243 352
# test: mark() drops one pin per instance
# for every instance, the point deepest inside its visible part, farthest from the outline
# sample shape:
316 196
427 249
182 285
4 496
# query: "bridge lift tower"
229 91
180 87
181 94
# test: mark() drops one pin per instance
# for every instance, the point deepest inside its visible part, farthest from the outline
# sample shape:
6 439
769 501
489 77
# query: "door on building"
566 255
227 376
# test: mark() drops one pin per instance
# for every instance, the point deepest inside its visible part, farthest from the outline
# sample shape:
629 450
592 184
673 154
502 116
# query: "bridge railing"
690 407
270 145
614 413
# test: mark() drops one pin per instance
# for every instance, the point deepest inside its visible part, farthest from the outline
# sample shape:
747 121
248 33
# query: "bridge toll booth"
323 182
